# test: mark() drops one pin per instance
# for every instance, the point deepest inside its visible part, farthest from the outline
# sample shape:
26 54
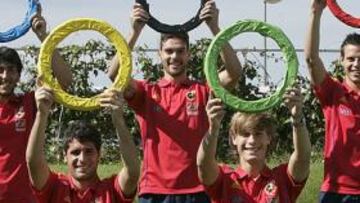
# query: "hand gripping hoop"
62 31
266 30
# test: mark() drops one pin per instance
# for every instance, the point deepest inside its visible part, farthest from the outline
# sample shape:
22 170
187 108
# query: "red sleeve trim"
41 193
118 189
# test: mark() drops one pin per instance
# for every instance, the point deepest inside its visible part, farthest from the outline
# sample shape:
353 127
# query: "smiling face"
174 55
252 146
252 134
82 160
351 63
9 77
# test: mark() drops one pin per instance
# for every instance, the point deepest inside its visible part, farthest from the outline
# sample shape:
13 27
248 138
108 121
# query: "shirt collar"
92 187
350 90
164 82
266 172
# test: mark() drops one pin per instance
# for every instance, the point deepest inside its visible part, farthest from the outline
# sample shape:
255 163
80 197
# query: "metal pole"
266 82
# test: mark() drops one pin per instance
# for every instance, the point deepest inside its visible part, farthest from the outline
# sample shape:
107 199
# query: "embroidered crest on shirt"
155 95
344 111
67 199
20 121
236 185
236 199
192 108
271 192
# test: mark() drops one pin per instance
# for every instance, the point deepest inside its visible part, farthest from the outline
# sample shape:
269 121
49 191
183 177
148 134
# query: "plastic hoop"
62 31
266 30
341 15
164 28
20 30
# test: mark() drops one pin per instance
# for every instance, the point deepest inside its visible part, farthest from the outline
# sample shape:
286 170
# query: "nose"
357 62
175 54
4 73
252 138
81 157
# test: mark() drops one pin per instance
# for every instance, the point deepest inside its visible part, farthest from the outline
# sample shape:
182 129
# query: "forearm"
114 65
35 153
314 63
131 166
60 68
206 161
300 159
233 70
312 41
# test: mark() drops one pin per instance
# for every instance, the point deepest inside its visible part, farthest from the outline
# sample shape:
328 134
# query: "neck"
176 79
84 184
252 169
352 85
4 99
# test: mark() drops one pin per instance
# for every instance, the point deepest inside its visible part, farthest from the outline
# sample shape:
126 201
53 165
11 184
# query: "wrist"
42 114
214 131
298 121
215 30
42 36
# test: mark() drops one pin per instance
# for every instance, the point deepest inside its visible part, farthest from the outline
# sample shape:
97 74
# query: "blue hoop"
20 30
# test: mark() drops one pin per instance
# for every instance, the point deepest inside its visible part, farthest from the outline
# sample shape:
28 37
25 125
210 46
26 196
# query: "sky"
290 15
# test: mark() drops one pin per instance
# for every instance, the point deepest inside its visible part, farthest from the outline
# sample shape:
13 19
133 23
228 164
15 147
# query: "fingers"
139 14
111 98
209 10
38 22
215 108
44 95
39 81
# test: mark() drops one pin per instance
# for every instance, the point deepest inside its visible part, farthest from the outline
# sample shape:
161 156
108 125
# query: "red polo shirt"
341 108
273 185
61 189
172 121
16 120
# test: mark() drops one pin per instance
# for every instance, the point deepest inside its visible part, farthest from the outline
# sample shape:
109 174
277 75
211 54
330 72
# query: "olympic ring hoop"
266 30
62 31
164 28
23 28
341 15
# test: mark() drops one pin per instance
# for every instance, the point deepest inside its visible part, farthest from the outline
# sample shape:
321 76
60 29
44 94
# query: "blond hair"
247 122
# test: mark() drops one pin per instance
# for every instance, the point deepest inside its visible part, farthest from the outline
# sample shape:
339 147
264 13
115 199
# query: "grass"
309 193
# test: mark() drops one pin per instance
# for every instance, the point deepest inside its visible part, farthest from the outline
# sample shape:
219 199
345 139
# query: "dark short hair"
181 35
82 131
353 39
10 56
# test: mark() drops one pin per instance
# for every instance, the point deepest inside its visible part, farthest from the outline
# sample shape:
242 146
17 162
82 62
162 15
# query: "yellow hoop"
62 31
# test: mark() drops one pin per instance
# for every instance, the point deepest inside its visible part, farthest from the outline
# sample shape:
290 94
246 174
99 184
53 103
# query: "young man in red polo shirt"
82 153
340 104
17 112
251 134
171 114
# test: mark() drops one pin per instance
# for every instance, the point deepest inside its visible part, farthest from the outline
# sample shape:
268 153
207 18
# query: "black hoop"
164 28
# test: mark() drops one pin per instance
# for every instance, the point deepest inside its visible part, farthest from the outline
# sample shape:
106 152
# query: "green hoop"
266 30
62 31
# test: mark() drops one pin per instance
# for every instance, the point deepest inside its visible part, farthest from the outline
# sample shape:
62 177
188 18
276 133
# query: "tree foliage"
92 57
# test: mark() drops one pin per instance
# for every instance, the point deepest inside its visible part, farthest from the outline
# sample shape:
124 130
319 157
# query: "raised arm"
208 170
139 17
129 174
61 70
229 77
315 65
35 153
299 163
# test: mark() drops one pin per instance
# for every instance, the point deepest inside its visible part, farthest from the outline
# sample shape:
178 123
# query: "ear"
232 139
